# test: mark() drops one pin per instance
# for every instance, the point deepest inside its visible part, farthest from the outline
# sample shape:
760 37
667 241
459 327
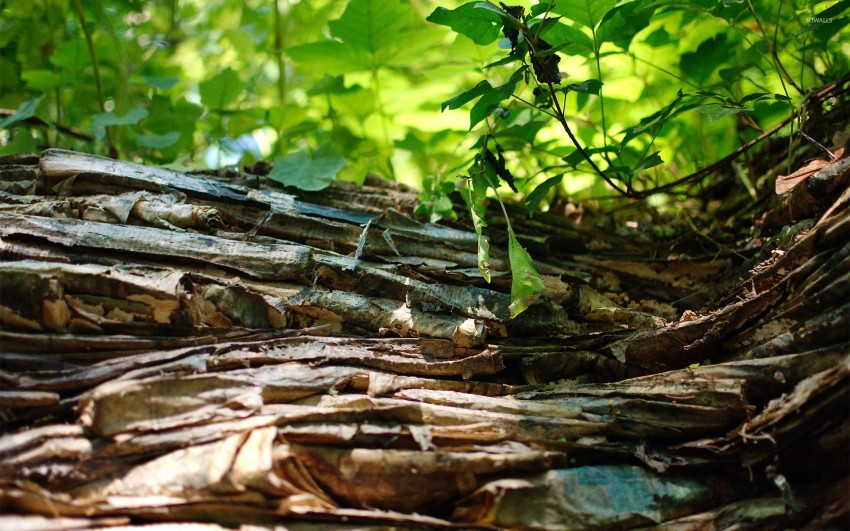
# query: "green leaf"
658 38
44 79
826 23
476 213
22 142
287 116
72 56
591 86
533 199
485 106
575 157
222 90
329 85
480 25
649 162
570 40
730 75
526 283
108 119
158 141
330 57
167 116
24 112
699 65
588 13
716 111
442 207
372 25
490 100
755 96
160 83
623 22
490 7
656 120
481 88
308 171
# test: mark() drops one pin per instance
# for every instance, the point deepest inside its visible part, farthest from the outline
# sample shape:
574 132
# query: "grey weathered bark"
181 348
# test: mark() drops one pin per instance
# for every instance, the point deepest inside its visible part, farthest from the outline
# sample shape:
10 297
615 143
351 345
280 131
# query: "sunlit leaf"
716 111
591 86
570 40
372 25
480 25
480 89
827 23
330 57
308 171
656 120
588 13
477 213
490 100
623 22
526 283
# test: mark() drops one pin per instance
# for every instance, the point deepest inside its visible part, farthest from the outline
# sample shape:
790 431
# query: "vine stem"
281 68
833 87
382 112
563 121
113 152
559 110
780 68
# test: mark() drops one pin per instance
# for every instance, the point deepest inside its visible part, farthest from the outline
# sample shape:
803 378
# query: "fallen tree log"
188 350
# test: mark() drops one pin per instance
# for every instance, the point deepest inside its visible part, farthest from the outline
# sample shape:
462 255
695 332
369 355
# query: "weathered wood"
185 349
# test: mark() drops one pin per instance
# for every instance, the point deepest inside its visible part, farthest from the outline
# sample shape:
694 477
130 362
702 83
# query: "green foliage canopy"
224 82
566 98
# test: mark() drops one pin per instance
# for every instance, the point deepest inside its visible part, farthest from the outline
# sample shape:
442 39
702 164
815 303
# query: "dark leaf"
545 66
108 119
483 87
536 196
649 162
510 26
25 111
591 86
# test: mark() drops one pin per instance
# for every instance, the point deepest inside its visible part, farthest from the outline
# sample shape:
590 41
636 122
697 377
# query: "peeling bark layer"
183 349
